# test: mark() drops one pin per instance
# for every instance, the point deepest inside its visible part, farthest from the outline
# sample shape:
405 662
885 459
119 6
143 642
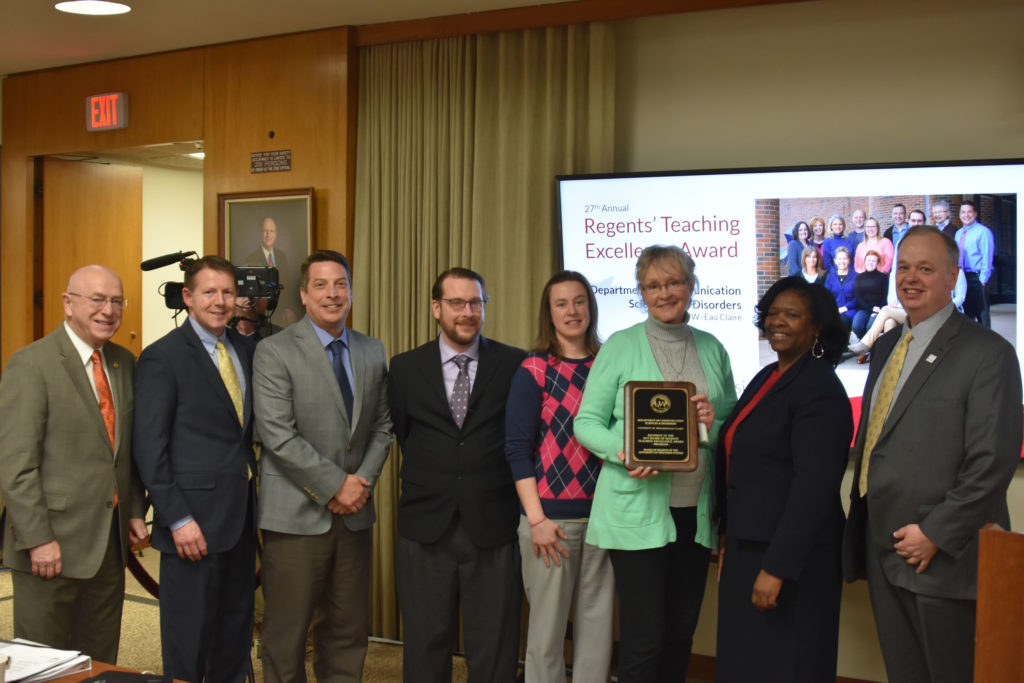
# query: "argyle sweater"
539 440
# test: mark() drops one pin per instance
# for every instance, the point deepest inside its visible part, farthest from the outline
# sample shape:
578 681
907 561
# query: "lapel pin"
930 358
116 365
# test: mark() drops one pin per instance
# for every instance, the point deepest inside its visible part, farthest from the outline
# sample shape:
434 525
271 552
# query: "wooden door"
92 214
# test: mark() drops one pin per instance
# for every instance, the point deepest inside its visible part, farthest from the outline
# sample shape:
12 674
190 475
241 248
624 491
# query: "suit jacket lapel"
76 373
117 377
430 366
936 350
357 358
208 370
246 362
485 369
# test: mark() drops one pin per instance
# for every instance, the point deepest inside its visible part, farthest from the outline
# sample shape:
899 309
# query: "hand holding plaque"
661 426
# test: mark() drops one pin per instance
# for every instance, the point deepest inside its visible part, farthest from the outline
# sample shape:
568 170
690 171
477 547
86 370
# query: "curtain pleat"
459 142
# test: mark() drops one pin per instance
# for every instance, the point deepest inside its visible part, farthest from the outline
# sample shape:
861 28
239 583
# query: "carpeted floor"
140 634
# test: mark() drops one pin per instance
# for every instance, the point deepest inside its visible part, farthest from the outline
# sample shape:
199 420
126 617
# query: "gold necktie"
230 377
880 410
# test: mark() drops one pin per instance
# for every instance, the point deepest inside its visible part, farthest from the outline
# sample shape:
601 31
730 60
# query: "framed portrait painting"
270 228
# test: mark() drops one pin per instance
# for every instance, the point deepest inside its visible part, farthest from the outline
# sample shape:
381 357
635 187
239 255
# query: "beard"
453 332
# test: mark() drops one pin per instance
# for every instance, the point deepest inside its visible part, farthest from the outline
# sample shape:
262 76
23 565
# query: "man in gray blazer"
947 439
322 413
74 500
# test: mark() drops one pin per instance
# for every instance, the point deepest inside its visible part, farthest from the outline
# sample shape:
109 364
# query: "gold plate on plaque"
661 426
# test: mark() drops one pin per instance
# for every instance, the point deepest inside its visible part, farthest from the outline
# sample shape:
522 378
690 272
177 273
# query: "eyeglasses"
100 302
670 286
475 305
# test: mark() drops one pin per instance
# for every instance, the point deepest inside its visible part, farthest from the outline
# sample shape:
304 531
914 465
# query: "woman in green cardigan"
657 528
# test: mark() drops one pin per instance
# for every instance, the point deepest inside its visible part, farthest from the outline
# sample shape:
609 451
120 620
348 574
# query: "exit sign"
108 111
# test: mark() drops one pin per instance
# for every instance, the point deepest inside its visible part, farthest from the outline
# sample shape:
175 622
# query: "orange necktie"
270 260
106 398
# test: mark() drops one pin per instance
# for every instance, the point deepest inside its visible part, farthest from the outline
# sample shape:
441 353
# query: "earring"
817 349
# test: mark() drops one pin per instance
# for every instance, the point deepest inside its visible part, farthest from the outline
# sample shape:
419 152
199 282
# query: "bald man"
269 254
74 500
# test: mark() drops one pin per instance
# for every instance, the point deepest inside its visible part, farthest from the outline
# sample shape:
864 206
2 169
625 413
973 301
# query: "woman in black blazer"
782 459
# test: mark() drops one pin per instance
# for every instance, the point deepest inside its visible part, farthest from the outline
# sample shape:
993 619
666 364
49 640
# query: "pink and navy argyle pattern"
565 469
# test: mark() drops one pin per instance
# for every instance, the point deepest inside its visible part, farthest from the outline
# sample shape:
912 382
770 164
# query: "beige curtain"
459 144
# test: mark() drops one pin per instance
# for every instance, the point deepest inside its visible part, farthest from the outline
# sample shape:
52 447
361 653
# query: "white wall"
172 221
823 82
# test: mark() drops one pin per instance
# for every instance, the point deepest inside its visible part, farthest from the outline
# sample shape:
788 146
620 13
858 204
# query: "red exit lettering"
107 111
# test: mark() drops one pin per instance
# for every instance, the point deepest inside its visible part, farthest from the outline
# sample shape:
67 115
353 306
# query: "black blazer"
787 465
193 456
446 470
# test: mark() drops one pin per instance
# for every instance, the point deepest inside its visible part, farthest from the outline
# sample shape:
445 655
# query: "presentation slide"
736 225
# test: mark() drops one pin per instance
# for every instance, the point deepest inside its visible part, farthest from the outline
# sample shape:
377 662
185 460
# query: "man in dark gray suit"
322 414
939 439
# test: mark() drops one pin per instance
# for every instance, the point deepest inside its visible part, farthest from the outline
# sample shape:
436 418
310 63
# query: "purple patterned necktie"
460 392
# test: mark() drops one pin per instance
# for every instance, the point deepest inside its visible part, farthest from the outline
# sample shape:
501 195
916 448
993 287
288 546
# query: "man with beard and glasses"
458 513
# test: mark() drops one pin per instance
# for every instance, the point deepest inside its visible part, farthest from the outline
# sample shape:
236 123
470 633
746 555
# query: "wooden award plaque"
661 426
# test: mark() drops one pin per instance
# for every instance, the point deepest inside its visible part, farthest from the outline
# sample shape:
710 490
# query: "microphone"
165 260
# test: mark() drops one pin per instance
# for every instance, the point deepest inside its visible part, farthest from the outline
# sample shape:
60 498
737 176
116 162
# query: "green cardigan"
628 513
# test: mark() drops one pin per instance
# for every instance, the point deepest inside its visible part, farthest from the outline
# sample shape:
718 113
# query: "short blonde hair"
668 252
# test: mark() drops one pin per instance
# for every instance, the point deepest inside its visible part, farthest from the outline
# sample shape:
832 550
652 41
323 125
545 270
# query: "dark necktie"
337 346
460 392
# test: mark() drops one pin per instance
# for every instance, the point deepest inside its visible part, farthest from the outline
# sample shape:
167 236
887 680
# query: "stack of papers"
33 663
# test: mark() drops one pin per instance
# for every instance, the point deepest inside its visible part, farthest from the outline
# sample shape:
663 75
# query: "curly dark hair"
823 309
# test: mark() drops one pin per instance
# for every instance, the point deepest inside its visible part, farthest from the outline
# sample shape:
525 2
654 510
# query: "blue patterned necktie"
336 347
460 392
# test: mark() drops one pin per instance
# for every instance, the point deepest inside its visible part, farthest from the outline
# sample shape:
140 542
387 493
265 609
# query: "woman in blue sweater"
837 238
555 478
840 282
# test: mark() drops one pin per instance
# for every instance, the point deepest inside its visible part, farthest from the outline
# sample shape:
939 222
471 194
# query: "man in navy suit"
193 447
458 512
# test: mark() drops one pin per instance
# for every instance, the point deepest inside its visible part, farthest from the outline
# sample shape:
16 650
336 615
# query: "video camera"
253 282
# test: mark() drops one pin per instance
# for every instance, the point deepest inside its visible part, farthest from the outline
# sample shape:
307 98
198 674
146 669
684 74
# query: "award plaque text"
661 426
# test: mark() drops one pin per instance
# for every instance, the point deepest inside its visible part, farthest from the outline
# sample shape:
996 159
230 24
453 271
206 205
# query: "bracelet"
540 521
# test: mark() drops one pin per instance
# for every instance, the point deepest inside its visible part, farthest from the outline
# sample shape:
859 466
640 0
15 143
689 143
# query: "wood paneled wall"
301 86
44 113
295 92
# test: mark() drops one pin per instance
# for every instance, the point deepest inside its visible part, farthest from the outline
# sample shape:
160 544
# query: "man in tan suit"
74 501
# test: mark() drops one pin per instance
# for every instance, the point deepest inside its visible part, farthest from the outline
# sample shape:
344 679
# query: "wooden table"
97 668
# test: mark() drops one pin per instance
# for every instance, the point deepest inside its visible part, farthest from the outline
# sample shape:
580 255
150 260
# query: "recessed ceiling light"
92 7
